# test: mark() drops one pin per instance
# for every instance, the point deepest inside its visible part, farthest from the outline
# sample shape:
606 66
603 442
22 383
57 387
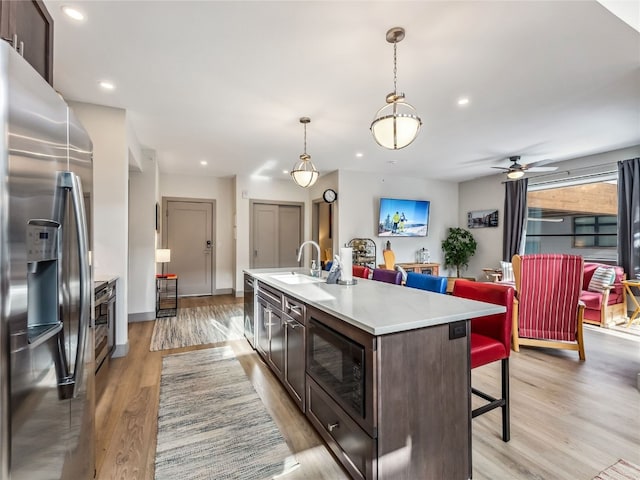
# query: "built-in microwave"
340 360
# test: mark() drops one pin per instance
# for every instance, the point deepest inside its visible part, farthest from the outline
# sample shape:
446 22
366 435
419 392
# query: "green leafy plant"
459 247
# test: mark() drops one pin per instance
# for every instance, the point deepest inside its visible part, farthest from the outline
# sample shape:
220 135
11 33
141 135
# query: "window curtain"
515 218
629 217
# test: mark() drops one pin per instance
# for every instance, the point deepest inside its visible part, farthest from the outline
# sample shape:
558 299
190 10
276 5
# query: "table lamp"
163 255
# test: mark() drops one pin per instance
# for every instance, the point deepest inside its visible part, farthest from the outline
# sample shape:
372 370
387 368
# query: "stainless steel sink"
293 278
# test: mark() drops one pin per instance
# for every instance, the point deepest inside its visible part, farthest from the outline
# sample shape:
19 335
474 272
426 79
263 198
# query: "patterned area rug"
212 424
621 470
199 326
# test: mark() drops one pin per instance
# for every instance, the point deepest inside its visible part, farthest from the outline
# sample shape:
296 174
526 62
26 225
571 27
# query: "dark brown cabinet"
27 25
294 337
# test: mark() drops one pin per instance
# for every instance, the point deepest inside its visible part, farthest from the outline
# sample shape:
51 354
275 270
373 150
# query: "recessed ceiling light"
203 162
286 172
73 13
107 85
359 154
463 101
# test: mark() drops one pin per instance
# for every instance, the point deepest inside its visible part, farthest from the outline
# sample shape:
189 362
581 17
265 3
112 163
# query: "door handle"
69 384
209 245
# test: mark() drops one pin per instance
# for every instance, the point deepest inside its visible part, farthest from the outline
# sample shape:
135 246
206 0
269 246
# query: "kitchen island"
381 371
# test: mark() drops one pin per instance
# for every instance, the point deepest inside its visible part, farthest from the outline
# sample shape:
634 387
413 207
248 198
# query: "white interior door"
276 235
189 236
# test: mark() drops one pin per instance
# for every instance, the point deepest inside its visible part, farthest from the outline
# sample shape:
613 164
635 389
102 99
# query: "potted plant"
459 247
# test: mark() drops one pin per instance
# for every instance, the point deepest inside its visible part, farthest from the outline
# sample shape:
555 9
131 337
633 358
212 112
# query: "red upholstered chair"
550 313
360 271
490 341
604 307
389 276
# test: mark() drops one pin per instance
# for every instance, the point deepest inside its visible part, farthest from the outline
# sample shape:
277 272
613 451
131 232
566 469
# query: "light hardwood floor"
569 419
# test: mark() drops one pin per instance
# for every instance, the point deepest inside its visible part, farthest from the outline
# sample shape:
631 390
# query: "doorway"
189 232
276 234
322 229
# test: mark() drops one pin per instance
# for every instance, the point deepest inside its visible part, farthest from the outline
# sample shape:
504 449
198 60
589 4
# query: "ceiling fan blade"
502 168
541 169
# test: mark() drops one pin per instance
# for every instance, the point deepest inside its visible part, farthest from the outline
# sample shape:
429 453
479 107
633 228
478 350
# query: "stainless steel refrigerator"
46 333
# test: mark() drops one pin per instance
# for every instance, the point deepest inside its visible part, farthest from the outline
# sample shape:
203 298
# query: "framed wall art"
482 219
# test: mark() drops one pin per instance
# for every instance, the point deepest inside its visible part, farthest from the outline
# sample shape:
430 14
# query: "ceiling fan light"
395 125
515 174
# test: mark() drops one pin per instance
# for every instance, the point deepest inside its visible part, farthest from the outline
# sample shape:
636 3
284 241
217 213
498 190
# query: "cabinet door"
264 317
276 350
294 368
31 22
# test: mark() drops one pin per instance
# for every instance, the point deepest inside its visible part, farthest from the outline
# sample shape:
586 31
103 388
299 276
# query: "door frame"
214 232
253 202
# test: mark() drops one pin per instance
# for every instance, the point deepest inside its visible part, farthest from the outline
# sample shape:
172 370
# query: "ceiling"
226 82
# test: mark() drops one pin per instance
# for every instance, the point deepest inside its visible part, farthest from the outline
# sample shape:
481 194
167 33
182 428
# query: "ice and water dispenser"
43 249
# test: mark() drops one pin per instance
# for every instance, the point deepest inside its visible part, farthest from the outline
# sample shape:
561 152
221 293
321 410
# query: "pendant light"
304 172
396 124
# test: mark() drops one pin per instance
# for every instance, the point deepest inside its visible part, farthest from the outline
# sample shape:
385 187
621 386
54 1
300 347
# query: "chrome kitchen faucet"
315 266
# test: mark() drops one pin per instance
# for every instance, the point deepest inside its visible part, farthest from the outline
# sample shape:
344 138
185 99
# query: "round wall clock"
329 195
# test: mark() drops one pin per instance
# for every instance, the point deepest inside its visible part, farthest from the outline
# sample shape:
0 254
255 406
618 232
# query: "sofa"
604 306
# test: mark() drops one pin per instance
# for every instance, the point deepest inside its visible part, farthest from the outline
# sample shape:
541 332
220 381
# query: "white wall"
220 190
107 128
142 238
488 192
359 197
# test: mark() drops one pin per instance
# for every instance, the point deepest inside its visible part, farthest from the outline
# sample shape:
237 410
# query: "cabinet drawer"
272 296
352 445
294 308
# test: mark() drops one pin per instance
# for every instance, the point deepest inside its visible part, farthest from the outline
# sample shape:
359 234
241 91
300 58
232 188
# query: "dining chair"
425 281
491 341
550 313
361 271
389 259
389 276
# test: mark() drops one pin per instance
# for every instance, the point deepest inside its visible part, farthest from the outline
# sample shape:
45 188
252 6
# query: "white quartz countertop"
376 307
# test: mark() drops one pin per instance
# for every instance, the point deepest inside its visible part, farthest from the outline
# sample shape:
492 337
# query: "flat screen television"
403 218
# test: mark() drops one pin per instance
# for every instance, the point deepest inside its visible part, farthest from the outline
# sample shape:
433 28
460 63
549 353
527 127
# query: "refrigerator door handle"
69 385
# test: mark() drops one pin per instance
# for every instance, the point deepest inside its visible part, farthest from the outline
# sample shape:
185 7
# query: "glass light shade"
396 125
515 174
304 172
163 255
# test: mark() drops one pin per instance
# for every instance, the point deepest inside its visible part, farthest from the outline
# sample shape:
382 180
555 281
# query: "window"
595 231
576 218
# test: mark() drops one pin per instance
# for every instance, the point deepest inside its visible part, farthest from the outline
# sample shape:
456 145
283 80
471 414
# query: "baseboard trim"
223 291
141 317
121 350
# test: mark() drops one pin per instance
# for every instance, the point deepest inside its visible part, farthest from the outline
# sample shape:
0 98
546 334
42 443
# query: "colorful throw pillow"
507 272
603 277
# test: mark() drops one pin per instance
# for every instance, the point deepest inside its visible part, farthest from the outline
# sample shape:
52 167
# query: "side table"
628 293
166 295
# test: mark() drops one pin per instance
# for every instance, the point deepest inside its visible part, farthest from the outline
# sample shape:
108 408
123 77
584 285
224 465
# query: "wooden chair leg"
506 429
579 334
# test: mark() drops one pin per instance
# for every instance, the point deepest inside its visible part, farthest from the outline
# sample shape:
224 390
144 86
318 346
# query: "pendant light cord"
305 138
395 68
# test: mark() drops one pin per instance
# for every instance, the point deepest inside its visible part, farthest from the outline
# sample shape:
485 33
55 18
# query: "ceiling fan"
516 170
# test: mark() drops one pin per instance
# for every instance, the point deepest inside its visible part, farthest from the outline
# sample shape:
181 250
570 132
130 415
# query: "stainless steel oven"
340 360
105 300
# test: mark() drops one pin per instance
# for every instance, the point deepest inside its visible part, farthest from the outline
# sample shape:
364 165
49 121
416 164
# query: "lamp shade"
304 172
515 174
396 125
163 255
